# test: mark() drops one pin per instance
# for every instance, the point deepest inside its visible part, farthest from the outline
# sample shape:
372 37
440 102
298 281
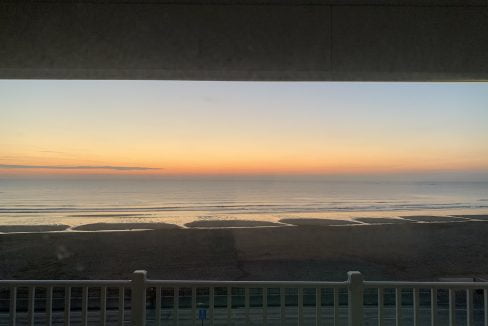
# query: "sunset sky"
178 128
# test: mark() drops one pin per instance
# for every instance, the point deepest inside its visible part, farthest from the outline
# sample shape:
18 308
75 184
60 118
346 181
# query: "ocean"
78 201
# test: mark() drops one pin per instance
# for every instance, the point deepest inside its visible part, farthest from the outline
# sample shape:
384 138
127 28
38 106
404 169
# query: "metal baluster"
282 304
398 306
176 305
13 305
318 306
84 306
336 307
246 304
103 305
67 305
211 304
416 304
229 305
452 307
193 306
158 306
49 305
32 306
121 305
381 307
469 307
433 306
485 299
300 306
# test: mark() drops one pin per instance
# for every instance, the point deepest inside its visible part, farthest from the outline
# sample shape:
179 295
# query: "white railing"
141 301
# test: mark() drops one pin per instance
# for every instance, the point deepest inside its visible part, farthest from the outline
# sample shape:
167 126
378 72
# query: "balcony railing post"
138 298
355 298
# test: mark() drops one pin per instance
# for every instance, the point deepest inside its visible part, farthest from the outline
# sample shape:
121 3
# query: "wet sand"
108 215
403 251
434 218
229 223
125 226
475 217
33 228
316 222
380 220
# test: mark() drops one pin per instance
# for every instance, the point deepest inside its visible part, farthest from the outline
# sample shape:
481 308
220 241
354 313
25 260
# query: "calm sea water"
81 201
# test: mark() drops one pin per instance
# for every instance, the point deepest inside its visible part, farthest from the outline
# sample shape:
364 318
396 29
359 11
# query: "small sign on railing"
202 313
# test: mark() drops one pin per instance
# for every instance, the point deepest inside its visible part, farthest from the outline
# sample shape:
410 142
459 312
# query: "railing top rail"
257 284
41 283
248 284
426 285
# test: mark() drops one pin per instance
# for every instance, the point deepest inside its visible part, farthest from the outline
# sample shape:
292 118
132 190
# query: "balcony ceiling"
290 40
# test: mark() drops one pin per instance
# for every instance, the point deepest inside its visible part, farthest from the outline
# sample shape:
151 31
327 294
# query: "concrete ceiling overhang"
290 40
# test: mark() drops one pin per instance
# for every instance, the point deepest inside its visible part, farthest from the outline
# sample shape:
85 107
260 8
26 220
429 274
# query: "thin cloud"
77 167
52 152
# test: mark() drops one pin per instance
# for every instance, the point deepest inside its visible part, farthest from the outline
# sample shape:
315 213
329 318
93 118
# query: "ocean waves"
241 208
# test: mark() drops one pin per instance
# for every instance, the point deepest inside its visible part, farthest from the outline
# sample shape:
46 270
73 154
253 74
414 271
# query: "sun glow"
172 128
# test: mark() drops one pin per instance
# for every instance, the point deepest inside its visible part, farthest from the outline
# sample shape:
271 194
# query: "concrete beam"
245 40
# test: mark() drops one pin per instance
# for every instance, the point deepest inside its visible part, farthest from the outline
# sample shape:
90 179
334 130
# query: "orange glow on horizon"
246 168
191 128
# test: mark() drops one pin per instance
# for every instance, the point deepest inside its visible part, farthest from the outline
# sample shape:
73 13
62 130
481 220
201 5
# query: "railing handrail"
217 283
65 283
425 285
213 283
290 284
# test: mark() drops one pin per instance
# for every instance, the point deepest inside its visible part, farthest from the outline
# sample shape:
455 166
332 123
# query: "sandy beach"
401 251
